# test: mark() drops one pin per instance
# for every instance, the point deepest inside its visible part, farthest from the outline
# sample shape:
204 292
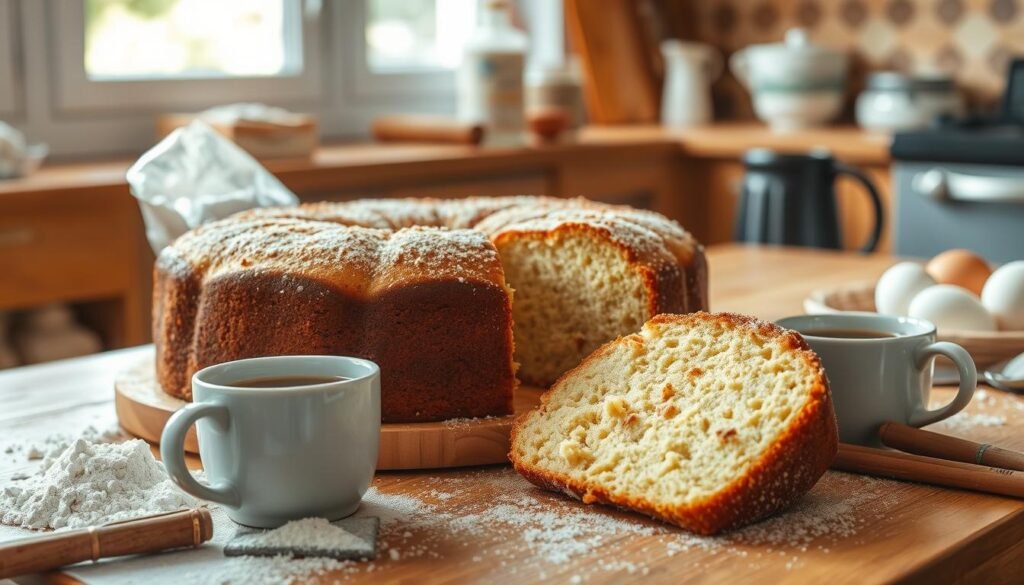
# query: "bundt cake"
425 288
707 421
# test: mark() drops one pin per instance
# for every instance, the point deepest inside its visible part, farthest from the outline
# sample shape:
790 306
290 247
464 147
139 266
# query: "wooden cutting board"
143 409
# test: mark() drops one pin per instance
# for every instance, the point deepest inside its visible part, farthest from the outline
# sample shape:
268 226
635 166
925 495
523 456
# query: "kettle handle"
876 202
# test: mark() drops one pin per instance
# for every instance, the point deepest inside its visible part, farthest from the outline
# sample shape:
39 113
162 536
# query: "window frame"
9 43
75 93
433 85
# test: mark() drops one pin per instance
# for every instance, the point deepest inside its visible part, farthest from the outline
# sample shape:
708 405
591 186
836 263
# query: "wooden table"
481 525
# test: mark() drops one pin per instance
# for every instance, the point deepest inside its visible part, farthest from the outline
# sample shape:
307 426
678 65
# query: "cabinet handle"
18 236
943 184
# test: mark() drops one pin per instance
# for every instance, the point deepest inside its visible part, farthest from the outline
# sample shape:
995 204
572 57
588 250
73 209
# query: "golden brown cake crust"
339 267
787 470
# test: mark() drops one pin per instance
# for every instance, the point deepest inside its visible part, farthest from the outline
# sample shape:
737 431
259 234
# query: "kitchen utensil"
922 442
143 410
690 69
790 199
986 347
144 535
272 455
881 379
908 467
248 542
794 84
1007 375
895 101
417 128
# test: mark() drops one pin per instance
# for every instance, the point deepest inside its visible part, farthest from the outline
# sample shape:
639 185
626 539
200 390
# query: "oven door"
941 206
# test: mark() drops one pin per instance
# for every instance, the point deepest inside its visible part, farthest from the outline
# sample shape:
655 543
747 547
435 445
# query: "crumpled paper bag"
17 157
194 176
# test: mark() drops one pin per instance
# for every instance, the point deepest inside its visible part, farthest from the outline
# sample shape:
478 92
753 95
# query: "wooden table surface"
488 525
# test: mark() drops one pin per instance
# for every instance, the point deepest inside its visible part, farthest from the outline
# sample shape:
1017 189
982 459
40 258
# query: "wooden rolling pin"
410 128
914 440
150 534
907 467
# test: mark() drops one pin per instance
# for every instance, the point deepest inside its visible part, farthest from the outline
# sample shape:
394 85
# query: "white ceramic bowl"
790 111
794 84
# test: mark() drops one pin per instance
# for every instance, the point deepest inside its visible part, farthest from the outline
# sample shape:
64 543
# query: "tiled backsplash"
972 39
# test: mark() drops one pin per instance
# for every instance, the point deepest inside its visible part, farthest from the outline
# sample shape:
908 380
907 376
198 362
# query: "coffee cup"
281 438
879 369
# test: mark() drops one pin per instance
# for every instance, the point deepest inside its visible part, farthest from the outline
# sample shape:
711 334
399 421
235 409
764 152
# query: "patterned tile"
972 39
1003 10
900 12
949 11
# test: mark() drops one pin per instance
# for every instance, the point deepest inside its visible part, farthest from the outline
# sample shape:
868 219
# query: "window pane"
403 35
131 39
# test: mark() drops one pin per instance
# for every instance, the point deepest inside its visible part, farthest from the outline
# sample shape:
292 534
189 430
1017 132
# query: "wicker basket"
985 347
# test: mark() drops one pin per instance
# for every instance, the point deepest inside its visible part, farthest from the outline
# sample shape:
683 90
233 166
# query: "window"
86 76
409 35
8 79
190 39
183 54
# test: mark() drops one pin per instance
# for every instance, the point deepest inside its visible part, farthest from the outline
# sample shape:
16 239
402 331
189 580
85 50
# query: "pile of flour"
308 533
92 482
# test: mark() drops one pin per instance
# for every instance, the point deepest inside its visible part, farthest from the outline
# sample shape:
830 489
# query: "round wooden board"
143 409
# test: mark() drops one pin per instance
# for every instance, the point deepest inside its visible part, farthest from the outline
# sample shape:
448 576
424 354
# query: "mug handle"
968 381
876 204
172 451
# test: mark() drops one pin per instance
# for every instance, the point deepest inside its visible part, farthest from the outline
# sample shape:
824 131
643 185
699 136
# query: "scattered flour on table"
92 482
964 421
281 570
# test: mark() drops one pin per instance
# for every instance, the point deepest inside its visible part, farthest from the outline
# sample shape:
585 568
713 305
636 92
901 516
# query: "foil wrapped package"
194 176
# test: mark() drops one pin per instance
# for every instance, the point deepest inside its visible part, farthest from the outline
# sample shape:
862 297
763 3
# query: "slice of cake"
709 421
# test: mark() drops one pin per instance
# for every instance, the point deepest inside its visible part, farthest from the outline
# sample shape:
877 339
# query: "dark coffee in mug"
286 381
849 333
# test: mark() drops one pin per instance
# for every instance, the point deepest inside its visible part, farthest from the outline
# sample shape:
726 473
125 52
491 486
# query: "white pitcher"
690 68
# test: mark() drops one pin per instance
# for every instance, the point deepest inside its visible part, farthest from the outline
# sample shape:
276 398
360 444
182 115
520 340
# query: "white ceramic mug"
880 379
277 454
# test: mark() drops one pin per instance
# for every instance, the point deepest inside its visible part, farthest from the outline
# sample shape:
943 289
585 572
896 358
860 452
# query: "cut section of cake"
707 421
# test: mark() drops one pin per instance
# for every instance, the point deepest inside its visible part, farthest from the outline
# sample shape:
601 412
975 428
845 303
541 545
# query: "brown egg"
960 267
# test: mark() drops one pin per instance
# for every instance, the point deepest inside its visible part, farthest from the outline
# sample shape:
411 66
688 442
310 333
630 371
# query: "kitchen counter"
729 140
849 529
367 162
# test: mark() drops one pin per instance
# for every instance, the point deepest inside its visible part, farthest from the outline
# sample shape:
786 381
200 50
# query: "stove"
960 184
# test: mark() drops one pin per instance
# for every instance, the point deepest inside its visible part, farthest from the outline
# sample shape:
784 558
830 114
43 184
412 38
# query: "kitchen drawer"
72 247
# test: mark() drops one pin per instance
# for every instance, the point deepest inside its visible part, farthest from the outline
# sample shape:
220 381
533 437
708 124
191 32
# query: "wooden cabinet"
86 249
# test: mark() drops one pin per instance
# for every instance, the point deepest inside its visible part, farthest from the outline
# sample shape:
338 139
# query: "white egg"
1003 295
898 286
951 307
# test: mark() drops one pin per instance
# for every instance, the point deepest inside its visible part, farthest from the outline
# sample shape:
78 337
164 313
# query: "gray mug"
272 455
881 379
